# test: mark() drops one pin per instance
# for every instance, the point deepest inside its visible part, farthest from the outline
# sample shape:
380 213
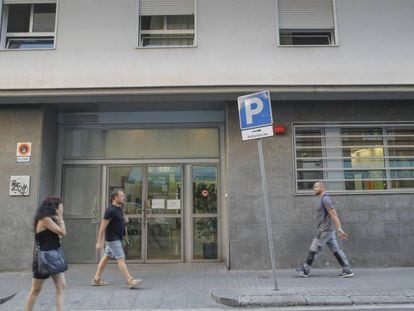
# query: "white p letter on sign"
255 110
250 112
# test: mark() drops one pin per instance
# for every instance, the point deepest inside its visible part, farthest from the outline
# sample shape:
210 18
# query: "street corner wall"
18 124
381 226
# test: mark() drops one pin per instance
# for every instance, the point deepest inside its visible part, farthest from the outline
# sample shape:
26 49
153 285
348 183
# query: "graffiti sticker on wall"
19 185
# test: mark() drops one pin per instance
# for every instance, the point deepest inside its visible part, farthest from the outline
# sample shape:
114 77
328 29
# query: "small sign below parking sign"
257 133
255 113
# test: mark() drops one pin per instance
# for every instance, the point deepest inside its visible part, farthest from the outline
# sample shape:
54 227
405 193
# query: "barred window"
354 158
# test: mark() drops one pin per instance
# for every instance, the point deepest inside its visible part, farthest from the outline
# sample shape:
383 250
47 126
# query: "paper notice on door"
158 204
173 204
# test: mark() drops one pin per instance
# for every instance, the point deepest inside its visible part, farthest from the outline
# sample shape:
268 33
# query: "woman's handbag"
50 262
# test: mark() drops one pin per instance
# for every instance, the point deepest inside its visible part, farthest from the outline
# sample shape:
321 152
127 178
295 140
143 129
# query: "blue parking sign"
255 110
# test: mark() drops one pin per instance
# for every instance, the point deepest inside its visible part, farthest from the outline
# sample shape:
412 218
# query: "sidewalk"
196 286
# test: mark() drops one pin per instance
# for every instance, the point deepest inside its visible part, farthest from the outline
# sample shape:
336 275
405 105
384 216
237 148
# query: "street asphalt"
212 286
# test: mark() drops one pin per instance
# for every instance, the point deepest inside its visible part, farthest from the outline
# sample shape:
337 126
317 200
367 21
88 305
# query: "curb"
234 299
230 299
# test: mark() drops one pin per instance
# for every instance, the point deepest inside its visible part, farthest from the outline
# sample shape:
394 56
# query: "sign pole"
267 210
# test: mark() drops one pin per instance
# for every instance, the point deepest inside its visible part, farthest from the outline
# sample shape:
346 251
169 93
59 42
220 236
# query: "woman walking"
48 227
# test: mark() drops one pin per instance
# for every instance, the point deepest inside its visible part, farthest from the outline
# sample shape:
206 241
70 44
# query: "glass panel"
164 189
29 43
317 164
369 160
180 22
167 39
402 174
362 136
306 138
128 178
44 17
205 238
19 18
360 184
310 175
305 38
164 238
81 191
402 184
79 244
152 22
364 159
133 248
402 162
306 185
400 146
204 189
159 143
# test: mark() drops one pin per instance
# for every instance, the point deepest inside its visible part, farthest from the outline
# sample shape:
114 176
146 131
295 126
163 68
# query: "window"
28 25
355 158
306 22
167 23
159 143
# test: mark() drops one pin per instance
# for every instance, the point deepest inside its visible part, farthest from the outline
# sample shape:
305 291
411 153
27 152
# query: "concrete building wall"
236 45
18 124
380 225
47 180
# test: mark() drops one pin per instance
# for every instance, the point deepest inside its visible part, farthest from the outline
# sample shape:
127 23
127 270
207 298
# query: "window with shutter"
28 24
306 22
166 23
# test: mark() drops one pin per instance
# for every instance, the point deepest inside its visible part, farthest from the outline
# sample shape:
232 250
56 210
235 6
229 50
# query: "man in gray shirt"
328 222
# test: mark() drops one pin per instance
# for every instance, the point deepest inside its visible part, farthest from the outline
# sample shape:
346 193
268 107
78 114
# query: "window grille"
354 157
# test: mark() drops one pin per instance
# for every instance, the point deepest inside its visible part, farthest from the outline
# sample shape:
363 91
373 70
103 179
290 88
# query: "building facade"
142 95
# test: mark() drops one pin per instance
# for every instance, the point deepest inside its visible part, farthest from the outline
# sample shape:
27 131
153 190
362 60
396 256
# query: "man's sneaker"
346 274
302 272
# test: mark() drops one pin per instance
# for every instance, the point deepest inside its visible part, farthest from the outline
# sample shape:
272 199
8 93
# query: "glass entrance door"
153 205
131 180
172 209
163 213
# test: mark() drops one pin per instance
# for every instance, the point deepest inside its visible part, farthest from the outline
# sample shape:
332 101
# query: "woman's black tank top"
47 240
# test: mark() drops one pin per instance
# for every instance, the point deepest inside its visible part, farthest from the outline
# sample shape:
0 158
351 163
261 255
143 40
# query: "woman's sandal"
133 283
98 282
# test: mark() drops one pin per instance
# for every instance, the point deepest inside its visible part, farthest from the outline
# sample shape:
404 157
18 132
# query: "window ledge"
34 49
308 46
166 47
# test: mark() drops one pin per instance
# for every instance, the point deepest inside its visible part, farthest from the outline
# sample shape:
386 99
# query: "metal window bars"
354 162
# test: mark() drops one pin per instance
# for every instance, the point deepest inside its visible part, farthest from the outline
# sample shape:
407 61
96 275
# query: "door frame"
221 162
186 215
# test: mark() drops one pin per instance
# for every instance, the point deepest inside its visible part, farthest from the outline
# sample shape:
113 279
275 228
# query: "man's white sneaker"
346 274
